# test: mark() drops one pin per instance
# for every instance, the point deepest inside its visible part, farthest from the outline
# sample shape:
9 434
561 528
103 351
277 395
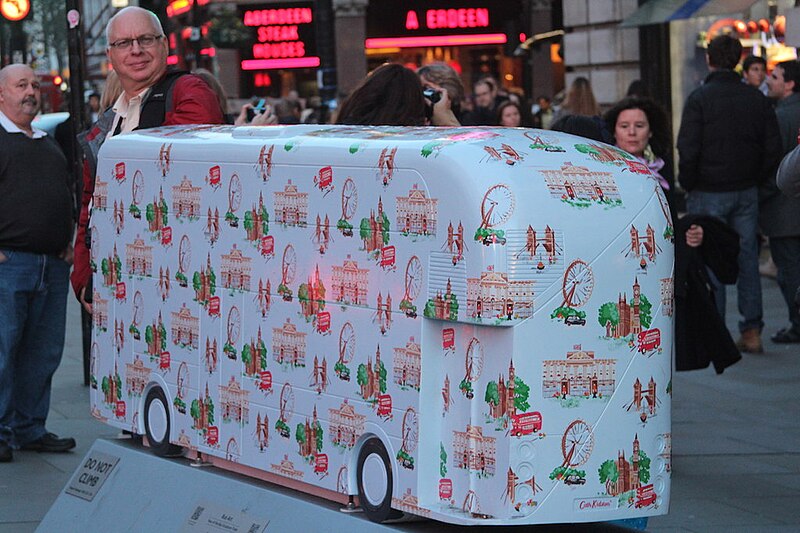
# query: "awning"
659 11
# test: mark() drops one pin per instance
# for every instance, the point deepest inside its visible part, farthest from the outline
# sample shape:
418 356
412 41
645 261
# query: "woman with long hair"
391 95
580 100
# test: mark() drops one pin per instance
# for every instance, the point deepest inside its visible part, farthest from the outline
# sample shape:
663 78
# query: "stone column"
541 68
351 31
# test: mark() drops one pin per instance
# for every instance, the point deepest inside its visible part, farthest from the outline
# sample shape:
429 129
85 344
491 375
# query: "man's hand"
694 236
442 113
68 254
82 299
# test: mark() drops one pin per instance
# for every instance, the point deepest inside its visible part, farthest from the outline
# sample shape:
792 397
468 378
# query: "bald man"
35 228
151 96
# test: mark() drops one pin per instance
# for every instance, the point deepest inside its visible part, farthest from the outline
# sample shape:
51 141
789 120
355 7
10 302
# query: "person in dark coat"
701 336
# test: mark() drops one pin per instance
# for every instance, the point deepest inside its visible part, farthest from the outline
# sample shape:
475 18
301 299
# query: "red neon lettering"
412 22
456 18
265 17
277 33
279 50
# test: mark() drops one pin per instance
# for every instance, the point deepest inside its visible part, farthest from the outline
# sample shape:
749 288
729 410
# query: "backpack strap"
159 101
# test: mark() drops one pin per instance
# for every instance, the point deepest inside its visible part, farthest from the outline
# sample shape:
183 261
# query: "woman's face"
632 131
510 117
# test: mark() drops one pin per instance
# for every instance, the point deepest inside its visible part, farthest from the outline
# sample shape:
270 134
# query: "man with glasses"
151 96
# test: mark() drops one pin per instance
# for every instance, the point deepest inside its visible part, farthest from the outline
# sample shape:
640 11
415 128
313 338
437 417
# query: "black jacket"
729 138
701 336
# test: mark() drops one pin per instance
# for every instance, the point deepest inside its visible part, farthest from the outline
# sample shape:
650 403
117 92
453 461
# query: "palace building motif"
350 284
630 322
576 182
234 402
346 426
474 451
291 206
416 213
493 293
137 376
289 345
185 328
186 199
579 375
235 270
286 469
139 258
407 362
100 196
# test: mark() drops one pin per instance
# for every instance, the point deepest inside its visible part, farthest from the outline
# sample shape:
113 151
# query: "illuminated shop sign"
392 24
284 36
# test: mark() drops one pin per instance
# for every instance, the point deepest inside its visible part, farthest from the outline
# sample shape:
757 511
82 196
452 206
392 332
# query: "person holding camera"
259 114
392 95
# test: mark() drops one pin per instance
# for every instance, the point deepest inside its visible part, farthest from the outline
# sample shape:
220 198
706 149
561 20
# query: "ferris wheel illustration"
578 284
180 381
341 480
234 325
286 403
410 431
93 251
474 360
497 206
349 199
138 308
413 278
288 265
347 343
184 254
577 443
232 450
234 193
137 188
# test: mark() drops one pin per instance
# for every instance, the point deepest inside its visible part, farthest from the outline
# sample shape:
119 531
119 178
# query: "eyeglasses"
144 41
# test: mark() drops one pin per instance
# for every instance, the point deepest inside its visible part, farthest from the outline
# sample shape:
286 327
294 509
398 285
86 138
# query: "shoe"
49 443
768 269
750 342
786 336
6 455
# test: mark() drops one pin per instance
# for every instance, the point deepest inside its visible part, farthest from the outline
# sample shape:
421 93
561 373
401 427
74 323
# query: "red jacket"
193 102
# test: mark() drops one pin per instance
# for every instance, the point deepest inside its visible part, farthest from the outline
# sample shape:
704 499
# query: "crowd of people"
731 140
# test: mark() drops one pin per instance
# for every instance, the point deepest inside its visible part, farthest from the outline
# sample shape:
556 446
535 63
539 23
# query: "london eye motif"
95 239
578 284
413 281
474 360
234 325
232 450
286 406
497 206
137 191
410 431
234 199
347 349
180 380
138 308
288 265
341 480
184 254
349 204
577 443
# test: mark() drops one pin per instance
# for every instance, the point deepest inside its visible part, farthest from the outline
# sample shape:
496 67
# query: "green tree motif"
194 410
300 434
248 221
163 331
104 267
492 395
442 461
210 411
521 391
302 292
608 312
319 439
382 377
119 396
644 467
608 473
264 221
212 281
262 352
104 385
196 281
148 335
150 212
361 375
365 232
645 311
246 355
385 228
453 307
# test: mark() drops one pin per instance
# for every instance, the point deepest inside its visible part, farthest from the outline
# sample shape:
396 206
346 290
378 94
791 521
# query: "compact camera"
432 95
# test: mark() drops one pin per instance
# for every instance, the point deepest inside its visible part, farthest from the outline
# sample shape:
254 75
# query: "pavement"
735 462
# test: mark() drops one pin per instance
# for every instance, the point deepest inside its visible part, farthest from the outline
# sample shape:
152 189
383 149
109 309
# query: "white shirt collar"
10 127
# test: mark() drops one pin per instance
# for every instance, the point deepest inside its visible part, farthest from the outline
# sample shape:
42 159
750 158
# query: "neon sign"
450 18
284 37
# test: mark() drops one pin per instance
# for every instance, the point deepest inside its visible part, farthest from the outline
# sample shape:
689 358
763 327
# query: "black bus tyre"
374 476
157 424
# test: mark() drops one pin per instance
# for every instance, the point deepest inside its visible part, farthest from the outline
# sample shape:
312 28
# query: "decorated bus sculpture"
462 345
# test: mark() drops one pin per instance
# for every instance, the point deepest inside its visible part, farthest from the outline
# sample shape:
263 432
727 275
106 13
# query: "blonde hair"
111 91
580 99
